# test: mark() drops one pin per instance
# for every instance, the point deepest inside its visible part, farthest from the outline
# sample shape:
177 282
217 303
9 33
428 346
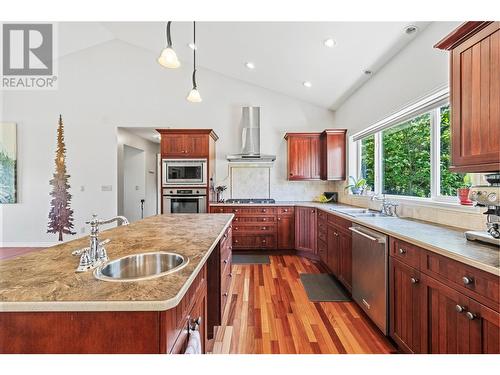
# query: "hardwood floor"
268 312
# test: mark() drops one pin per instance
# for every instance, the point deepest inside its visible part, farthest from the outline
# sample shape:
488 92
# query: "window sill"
425 202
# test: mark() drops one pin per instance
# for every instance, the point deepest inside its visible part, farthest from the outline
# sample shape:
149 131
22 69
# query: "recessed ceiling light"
411 29
192 45
330 43
307 84
250 65
368 72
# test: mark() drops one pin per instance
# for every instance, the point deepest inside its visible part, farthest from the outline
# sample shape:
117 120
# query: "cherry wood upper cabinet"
303 156
187 143
317 156
305 229
475 96
333 152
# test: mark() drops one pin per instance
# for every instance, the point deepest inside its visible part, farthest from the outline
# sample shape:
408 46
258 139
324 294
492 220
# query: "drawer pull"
236 228
236 241
230 274
402 251
459 309
225 236
467 280
279 219
263 228
225 261
235 210
264 241
470 316
264 210
264 219
225 294
414 280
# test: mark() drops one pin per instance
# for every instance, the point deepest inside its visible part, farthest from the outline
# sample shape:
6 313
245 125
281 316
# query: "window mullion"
378 163
435 153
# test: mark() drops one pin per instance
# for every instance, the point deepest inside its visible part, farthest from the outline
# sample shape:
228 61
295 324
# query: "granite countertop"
441 239
46 280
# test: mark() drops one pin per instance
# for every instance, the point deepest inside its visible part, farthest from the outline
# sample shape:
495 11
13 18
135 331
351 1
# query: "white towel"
194 343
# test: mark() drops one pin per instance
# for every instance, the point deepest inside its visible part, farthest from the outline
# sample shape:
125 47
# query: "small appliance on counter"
487 196
332 196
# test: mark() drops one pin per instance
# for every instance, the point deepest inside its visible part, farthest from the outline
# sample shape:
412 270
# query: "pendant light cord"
194 55
169 39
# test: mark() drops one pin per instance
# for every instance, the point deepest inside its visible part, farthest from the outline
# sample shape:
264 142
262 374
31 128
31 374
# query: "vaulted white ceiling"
285 54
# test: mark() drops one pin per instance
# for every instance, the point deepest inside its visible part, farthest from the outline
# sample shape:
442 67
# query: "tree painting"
8 163
60 215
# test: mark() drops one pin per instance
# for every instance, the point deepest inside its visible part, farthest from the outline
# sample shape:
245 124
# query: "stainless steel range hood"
250 138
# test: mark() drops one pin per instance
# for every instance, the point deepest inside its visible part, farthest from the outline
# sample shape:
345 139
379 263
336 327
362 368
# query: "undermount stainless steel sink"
361 212
143 266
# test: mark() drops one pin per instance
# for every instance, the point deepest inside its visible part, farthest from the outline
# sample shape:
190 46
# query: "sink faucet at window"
388 207
95 254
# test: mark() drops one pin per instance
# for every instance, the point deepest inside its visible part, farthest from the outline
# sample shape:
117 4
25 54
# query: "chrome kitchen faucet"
388 208
95 255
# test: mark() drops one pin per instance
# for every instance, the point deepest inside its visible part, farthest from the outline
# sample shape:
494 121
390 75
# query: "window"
449 181
409 153
367 167
406 158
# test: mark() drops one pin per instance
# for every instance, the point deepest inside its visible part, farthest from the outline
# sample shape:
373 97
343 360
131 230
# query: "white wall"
414 72
151 149
115 84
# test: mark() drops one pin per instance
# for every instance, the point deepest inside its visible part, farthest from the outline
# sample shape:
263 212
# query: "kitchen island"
46 307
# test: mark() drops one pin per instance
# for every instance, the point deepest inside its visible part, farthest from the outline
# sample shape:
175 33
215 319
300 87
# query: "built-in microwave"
187 172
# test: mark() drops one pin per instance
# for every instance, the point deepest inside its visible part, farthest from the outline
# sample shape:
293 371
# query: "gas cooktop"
250 201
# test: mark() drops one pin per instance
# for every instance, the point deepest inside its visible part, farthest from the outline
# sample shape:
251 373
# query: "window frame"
435 158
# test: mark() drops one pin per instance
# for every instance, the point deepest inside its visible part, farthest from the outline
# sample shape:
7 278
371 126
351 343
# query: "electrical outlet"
82 230
137 187
107 188
82 188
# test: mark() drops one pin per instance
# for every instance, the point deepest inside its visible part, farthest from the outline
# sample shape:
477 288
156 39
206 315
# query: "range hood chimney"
250 138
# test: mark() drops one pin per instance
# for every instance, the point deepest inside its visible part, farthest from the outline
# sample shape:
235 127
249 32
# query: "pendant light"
168 57
194 95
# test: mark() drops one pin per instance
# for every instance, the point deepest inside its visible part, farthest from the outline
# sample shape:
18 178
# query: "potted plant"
358 186
220 193
463 191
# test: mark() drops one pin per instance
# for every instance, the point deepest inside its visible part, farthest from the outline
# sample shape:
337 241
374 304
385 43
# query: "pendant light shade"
194 95
168 57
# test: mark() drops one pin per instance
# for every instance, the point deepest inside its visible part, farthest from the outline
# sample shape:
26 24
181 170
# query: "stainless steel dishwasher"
370 274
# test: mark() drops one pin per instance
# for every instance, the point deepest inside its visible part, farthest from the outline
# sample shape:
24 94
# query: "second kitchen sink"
143 266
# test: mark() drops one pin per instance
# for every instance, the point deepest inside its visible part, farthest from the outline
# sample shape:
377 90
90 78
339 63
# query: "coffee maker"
487 196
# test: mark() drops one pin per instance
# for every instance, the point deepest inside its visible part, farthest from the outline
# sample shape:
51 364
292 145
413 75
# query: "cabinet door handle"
459 309
414 280
402 251
291 174
225 261
467 280
279 219
236 241
470 316
230 274
225 294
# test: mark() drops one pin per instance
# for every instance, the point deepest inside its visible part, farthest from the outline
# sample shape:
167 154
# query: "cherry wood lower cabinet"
339 249
261 227
430 312
305 229
405 307
286 228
